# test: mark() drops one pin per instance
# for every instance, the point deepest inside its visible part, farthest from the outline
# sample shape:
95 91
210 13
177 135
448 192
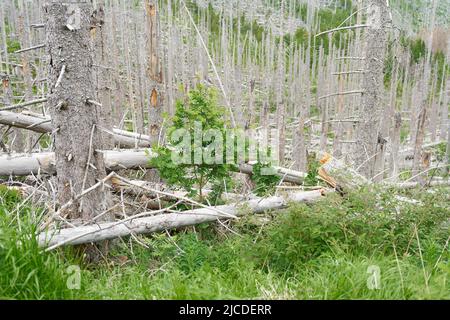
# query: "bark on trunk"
154 71
78 164
155 75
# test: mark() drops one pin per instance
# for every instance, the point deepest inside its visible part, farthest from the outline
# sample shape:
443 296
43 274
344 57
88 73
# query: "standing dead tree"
74 116
369 146
102 72
154 71
420 157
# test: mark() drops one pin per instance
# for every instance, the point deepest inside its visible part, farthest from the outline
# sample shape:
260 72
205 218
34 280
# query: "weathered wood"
26 164
44 163
102 75
43 125
338 175
154 71
368 149
105 231
22 121
413 185
71 86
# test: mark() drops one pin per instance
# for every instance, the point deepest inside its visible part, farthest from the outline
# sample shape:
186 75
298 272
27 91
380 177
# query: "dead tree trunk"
16 137
155 76
74 117
395 144
102 73
367 133
154 71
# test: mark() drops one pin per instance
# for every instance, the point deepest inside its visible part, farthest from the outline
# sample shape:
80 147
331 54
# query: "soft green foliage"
313 172
264 183
319 251
441 150
13 45
200 108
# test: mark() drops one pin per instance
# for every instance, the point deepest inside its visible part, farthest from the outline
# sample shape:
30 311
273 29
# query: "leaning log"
40 125
43 125
112 230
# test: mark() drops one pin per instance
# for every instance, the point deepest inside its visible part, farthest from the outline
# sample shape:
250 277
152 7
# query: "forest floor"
376 244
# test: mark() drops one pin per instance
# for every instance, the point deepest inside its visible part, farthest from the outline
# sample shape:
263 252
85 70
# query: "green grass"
320 251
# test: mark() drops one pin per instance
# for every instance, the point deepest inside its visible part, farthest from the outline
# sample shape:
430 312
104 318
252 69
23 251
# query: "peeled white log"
43 125
106 231
26 164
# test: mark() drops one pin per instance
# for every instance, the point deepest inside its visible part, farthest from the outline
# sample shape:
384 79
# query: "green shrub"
195 115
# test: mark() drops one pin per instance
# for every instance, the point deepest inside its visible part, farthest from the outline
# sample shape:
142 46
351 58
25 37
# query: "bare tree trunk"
367 133
26 71
75 119
164 222
155 74
16 137
154 71
102 74
419 155
395 144
447 153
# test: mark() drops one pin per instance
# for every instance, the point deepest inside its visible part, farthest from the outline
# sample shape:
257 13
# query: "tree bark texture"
75 120
154 72
368 129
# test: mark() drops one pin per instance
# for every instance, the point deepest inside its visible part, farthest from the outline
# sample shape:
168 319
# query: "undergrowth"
319 251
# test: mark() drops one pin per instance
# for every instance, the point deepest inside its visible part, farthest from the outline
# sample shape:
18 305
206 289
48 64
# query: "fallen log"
35 163
137 190
43 125
105 231
287 175
44 163
22 121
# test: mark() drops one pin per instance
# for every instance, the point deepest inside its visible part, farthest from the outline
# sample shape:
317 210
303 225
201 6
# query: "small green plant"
264 183
313 171
198 119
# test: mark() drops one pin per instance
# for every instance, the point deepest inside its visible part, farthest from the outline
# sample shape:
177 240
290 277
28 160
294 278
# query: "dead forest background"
355 94
270 63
